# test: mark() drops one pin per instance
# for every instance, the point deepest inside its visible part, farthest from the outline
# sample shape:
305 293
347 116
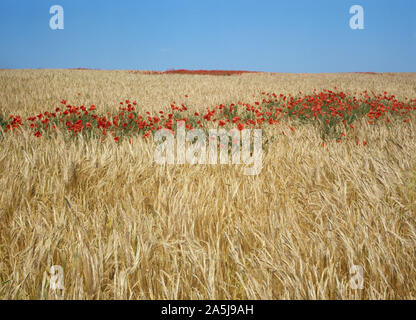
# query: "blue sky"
262 35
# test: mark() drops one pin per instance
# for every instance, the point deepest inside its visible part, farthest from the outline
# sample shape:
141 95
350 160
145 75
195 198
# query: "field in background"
195 72
122 226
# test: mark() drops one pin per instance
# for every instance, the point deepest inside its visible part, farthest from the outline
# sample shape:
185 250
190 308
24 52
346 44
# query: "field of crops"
79 186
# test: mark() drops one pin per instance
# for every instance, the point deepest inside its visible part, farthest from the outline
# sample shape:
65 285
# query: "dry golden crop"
123 227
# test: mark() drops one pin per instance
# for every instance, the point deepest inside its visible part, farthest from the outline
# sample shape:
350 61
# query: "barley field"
123 227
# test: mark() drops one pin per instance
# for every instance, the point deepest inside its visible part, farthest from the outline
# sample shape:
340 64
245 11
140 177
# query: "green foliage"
3 122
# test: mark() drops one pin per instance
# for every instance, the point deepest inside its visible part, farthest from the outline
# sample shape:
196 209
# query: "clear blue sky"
263 35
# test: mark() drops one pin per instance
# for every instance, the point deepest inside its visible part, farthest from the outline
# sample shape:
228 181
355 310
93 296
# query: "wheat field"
123 227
